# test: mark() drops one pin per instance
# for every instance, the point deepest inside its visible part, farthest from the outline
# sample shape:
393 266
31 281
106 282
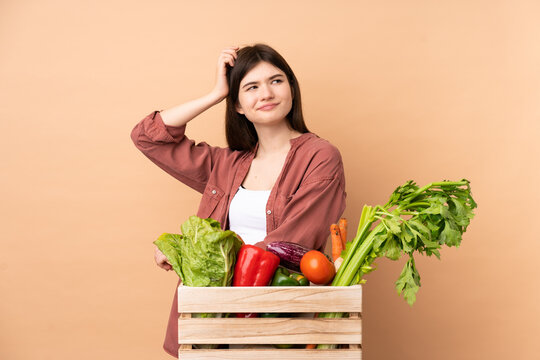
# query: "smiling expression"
264 96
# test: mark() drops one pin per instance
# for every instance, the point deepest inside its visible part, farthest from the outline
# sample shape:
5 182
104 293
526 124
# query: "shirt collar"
295 142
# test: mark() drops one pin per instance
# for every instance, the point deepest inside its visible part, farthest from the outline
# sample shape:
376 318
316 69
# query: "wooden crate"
291 330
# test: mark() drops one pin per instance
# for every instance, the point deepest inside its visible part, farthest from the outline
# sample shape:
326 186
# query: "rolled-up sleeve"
170 149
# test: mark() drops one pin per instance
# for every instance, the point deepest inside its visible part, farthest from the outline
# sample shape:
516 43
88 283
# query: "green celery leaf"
391 249
450 235
406 233
393 225
408 282
433 222
380 239
436 205
421 228
461 213
402 192
435 252
408 243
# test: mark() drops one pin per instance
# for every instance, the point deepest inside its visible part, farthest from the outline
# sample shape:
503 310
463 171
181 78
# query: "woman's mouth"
267 107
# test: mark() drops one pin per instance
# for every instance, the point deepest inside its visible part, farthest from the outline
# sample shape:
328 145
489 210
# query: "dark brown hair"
240 132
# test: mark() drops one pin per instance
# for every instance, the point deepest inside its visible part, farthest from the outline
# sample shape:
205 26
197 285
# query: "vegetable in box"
203 255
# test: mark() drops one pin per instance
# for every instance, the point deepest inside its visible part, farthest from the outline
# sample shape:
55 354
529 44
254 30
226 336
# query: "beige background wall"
424 90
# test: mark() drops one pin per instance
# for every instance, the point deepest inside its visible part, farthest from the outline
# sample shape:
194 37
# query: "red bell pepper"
254 267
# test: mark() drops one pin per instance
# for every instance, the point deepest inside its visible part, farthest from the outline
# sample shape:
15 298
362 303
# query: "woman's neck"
274 139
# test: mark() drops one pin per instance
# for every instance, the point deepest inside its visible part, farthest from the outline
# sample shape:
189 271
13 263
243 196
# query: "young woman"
276 181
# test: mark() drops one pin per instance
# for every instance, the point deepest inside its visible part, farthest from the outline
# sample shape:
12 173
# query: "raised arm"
160 135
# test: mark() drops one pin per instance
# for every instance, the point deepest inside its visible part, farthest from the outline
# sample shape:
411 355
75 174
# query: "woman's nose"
266 92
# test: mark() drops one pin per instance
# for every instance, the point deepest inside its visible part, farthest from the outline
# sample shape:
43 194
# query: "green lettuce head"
204 255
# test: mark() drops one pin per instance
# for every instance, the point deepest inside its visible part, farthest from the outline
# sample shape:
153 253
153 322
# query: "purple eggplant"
289 253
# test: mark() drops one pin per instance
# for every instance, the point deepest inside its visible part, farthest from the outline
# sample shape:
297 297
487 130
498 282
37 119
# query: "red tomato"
317 268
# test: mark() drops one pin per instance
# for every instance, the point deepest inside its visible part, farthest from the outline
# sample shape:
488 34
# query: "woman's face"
264 96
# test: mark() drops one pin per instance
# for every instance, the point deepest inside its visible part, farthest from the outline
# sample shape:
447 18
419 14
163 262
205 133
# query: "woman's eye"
255 86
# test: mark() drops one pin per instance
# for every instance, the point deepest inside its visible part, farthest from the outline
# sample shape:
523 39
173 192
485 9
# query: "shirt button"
214 192
269 212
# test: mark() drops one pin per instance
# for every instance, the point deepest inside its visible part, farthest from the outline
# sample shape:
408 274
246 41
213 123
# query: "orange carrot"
343 230
337 244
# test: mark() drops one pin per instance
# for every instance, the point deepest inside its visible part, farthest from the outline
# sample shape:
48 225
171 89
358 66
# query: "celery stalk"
414 220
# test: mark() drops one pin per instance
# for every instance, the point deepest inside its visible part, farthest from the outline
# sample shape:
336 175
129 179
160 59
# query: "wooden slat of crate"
263 354
269 331
264 299
355 316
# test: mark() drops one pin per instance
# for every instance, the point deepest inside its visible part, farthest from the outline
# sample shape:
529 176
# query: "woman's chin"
268 123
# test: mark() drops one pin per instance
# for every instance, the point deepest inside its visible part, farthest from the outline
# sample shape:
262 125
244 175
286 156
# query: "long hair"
240 132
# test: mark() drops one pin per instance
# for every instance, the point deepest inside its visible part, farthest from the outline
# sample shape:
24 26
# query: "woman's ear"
238 108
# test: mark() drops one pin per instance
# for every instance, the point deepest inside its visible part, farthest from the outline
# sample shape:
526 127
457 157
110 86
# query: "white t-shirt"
247 214
247 218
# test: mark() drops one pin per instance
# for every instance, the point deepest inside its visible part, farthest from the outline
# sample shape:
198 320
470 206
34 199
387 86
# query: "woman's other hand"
227 57
161 260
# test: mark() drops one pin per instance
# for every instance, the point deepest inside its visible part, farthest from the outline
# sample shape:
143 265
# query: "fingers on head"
227 60
227 57
229 52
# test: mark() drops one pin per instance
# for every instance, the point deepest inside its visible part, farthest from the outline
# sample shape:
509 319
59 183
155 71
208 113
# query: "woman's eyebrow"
256 82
